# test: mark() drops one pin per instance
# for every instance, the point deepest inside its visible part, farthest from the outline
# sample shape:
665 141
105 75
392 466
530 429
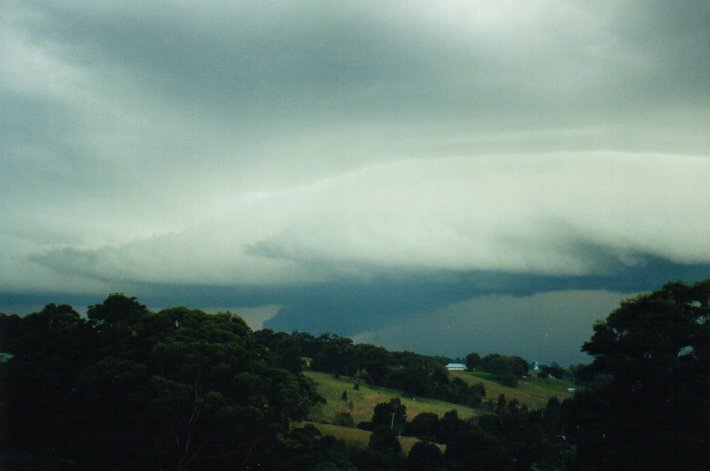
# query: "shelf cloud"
551 214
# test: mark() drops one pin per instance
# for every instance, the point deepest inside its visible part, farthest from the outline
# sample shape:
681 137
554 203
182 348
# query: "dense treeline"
131 389
648 401
511 438
126 388
412 373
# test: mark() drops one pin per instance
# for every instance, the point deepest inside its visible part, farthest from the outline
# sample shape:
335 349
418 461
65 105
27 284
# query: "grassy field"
532 392
367 397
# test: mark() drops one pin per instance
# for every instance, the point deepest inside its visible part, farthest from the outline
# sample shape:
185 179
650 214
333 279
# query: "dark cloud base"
351 308
353 305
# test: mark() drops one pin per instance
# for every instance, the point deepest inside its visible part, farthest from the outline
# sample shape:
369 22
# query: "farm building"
455 367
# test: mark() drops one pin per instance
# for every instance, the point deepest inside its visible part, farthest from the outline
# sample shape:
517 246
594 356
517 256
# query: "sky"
443 177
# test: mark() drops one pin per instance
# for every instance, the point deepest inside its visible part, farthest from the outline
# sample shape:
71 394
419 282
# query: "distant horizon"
560 344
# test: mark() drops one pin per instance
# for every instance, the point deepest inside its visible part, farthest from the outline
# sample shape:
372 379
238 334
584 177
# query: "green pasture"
532 392
364 400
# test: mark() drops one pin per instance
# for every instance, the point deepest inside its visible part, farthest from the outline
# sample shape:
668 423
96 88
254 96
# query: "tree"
374 363
473 361
553 369
308 450
475 449
214 391
501 366
50 348
450 426
519 365
284 348
386 451
117 314
343 419
652 411
424 426
132 389
336 355
424 457
390 415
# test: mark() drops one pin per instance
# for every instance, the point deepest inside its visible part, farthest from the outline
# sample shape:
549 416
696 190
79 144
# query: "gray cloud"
551 214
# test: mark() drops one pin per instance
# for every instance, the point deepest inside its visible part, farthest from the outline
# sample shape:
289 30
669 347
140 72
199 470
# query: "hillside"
367 397
532 392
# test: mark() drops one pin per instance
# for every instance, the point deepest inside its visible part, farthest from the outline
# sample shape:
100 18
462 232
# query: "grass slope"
367 397
532 392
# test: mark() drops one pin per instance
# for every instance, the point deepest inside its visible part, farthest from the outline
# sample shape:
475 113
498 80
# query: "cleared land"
367 397
532 392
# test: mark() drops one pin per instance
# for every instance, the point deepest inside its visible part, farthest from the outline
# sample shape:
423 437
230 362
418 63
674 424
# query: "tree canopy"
127 387
651 409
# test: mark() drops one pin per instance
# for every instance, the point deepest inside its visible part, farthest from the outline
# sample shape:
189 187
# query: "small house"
456 367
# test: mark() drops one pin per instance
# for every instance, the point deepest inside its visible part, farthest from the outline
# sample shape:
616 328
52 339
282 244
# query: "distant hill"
532 392
367 397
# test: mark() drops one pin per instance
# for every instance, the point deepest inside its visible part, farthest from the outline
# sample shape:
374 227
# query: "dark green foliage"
131 389
476 449
450 427
424 426
344 419
50 349
385 449
424 457
336 355
514 439
507 368
651 406
390 415
500 404
413 374
473 361
306 450
553 369
9 325
519 365
374 364
285 349
180 389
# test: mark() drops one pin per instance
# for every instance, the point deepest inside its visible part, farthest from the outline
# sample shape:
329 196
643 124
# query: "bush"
344 419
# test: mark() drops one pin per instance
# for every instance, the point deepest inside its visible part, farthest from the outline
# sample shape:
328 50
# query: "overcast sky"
408 173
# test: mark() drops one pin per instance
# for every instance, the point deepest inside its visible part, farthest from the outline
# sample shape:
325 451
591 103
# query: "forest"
125 388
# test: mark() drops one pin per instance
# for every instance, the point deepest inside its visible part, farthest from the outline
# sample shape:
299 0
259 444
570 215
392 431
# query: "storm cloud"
554 214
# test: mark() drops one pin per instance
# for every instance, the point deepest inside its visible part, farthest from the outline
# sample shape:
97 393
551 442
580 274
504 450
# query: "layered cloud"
552 214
